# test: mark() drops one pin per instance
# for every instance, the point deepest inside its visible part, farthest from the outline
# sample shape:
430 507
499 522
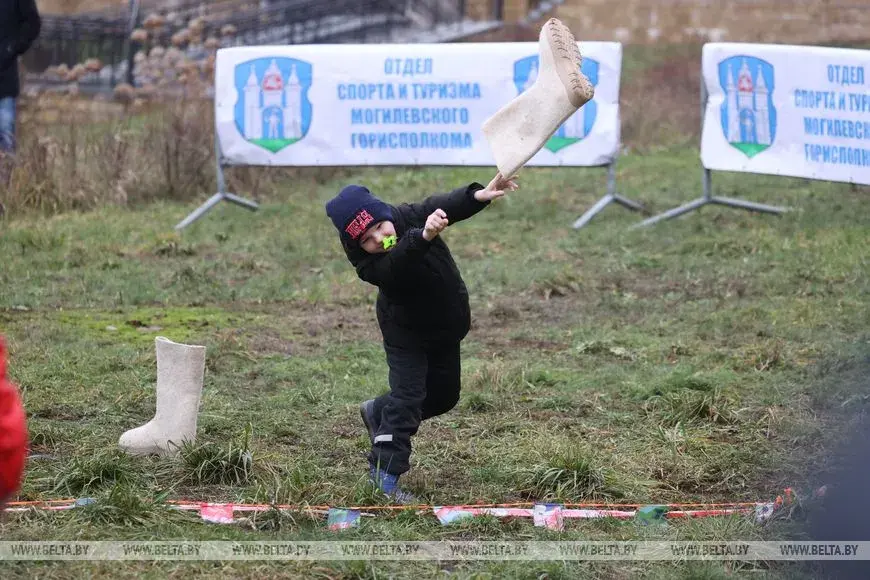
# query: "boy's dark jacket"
422 299
19 27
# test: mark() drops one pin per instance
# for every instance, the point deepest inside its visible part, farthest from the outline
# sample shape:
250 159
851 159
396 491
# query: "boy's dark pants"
424 383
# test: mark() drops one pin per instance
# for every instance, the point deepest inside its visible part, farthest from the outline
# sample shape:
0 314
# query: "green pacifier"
389 242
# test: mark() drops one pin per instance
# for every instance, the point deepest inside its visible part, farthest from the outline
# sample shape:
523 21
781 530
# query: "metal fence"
70 41
105 35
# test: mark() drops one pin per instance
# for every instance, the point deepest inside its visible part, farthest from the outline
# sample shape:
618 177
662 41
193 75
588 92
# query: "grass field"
698 360
677 363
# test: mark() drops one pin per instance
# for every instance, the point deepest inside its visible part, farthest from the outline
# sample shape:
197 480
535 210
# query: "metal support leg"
710 199
706 184
749 205
611 197
221 194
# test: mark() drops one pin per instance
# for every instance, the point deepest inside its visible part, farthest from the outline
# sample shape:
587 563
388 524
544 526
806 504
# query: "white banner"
800 111
398 104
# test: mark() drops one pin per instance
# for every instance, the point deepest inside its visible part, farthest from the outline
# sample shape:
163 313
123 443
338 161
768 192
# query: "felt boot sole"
567 61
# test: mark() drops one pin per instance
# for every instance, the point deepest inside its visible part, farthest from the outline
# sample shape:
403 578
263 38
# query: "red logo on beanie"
359 224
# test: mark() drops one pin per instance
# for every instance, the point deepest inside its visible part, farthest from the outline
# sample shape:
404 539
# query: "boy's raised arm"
460 204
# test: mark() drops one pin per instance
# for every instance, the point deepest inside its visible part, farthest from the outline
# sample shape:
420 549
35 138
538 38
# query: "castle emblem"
273 110
748 116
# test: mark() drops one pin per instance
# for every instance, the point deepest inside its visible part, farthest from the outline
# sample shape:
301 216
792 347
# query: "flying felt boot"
517 131
180 370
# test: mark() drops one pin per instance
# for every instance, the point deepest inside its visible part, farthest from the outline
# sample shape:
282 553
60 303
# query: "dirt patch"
61 413
497 345
348 322
521 310
510 323
304 329
268 341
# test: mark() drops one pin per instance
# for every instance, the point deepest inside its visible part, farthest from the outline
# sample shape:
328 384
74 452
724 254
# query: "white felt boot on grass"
180 370
521 128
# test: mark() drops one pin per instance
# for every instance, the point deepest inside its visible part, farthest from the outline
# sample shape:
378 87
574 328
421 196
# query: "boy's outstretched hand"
437 220
435 224
496 188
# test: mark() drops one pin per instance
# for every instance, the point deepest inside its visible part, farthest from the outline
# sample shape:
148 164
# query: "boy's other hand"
435 224
496 188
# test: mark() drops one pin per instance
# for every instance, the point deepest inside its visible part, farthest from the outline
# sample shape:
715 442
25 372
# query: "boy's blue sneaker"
367 412
389 484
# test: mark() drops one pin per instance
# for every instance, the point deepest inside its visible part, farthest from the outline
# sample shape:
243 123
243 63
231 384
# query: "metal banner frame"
222 193
706 184
610 197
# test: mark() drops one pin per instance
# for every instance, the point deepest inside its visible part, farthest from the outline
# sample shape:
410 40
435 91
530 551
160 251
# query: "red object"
13 433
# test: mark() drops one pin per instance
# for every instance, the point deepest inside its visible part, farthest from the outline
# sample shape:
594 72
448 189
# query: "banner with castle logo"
800 111
398 104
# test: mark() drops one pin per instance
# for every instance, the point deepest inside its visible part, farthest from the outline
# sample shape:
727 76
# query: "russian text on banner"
800 111
395 104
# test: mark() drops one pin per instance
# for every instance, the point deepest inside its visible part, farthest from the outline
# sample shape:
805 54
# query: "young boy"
422 310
